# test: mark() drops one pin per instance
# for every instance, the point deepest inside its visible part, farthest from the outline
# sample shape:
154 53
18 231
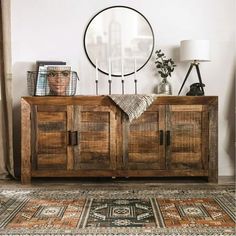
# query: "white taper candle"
122 67
96 70
109 67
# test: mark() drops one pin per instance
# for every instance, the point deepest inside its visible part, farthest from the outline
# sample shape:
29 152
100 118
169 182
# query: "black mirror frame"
106 73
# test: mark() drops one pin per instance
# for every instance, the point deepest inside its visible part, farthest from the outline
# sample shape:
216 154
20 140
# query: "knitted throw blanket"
133 104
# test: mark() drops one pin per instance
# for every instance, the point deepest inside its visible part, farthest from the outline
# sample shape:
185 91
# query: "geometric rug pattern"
157 210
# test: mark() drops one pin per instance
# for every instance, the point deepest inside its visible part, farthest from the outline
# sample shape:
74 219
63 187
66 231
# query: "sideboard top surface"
105 100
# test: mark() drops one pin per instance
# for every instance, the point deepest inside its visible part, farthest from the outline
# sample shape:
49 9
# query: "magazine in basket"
53 80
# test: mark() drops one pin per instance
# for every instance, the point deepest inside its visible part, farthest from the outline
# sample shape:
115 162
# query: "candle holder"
109 82
135 76
109 74
96 81
135 87
123 86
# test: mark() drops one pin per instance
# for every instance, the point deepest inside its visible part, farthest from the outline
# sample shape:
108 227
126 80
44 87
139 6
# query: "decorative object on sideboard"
135 77
124 36
58 79
109 65
196 90
164 67
109 73
96 76
52 80
195 51
120 33
133 105
122 74
40 66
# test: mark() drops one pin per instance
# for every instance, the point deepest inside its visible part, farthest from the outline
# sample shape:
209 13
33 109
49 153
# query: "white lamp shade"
191 50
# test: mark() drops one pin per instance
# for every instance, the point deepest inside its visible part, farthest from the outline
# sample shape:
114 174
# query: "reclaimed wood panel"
185 124
150 117
205 137
51 108
51 116
139 134
99 117
186 160
184 108
26 147
52 142
51 161
121 173
143 158
213 141
143 142
196 120
102 136
99 157
106 101
69 128
95 146
93 127
51 125
97 137
143 147
143 127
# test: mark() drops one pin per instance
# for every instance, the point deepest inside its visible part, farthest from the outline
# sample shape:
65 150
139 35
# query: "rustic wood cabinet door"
50 150
144 143
90 136
96 127
187 137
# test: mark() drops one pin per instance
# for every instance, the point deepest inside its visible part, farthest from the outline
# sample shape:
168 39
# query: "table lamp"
195 51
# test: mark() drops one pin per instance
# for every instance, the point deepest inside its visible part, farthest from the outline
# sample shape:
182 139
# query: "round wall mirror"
119 39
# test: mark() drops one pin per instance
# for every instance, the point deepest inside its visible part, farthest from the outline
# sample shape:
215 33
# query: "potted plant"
164 67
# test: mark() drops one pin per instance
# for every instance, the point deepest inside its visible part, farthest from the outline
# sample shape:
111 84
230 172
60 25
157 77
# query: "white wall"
53 30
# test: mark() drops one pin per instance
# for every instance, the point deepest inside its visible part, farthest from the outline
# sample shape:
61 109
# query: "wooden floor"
59 182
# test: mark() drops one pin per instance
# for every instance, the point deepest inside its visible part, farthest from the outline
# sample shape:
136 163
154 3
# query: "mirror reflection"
119 39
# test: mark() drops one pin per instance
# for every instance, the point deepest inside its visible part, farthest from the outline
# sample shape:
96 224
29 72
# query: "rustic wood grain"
51 161
25 143
70 120
142 142
120 173
52 142
213 141
205 137
106 101
187 124
119 163
97 137
109 145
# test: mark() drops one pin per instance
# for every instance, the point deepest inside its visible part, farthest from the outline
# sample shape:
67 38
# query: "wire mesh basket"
52 83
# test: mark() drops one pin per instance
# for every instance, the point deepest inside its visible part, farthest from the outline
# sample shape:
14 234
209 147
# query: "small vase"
164 87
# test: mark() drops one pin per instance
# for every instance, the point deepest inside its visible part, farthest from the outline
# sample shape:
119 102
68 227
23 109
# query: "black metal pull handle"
168 137
72 138
161 137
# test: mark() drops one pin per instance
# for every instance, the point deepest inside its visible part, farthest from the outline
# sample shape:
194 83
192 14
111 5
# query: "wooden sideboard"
89 136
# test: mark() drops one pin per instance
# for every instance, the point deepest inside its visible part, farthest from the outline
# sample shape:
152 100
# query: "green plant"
164 66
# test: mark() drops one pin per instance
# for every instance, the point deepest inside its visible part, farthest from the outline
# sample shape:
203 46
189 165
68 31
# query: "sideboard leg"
25 179
25 142
213 142
213 176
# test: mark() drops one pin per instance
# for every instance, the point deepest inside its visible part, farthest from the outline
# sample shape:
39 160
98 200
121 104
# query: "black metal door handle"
72 138
161 137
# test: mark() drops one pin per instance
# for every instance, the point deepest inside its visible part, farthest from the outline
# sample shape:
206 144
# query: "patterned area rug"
157 210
